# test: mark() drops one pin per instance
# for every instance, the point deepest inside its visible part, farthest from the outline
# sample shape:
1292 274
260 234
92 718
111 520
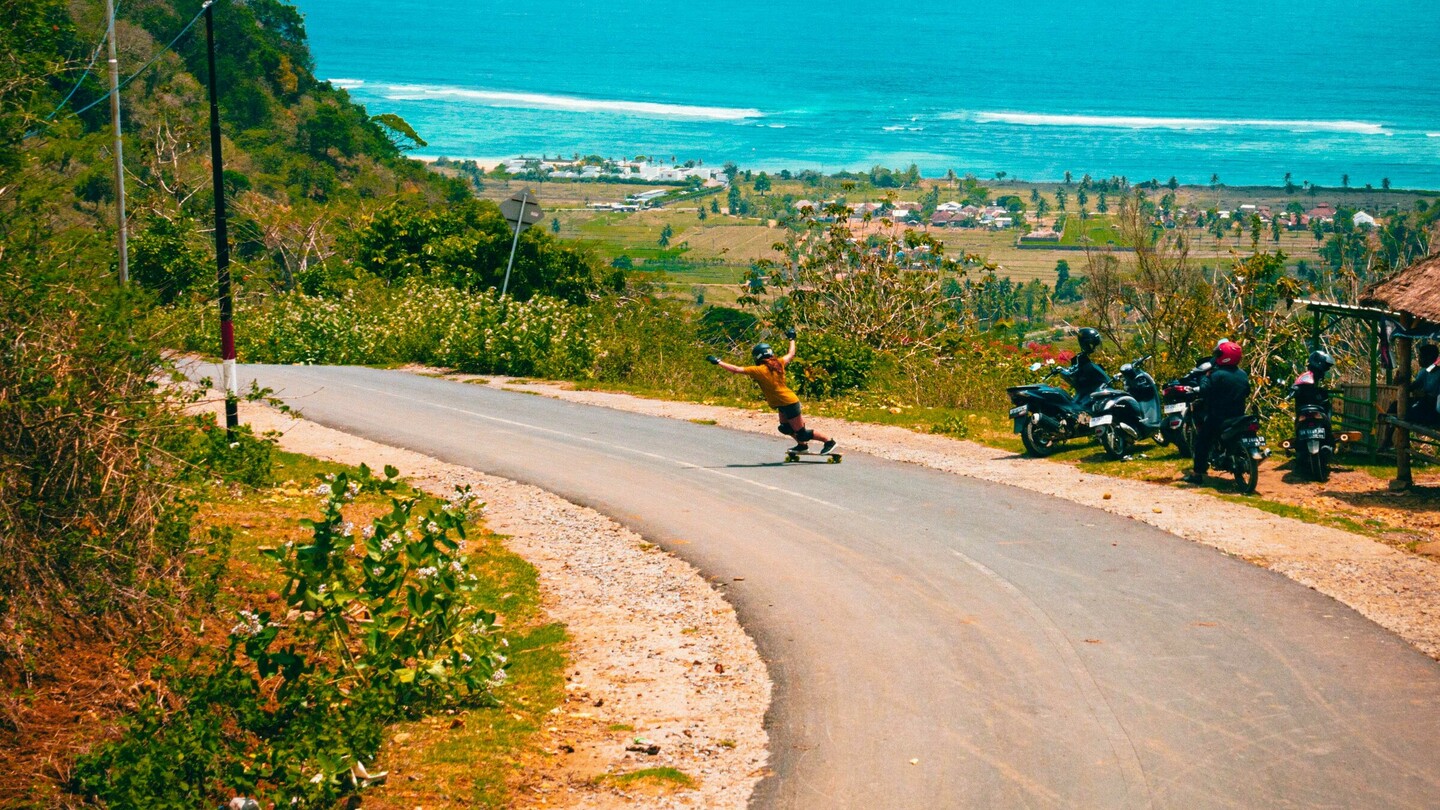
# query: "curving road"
1026 651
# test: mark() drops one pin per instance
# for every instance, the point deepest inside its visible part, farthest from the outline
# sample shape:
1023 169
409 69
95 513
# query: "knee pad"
804 434
786 429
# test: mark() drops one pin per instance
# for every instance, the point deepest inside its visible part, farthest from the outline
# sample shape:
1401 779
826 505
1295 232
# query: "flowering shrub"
418 322
829 366
380 626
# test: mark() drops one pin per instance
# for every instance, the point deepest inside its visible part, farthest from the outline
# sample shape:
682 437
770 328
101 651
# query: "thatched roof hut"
1413 294
1414 291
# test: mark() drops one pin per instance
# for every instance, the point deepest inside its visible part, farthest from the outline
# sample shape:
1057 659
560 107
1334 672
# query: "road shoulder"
661 674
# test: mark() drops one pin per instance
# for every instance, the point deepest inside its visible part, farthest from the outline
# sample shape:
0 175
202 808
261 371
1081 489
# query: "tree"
714 205
555 225
1042 207
1067 178
1060 198
1081 197
1000 176
700 212
1289 183
1173 184
1385 183
665 234
733 200
1345 181
1158 282
950 177
1101 204
762 184
1035 196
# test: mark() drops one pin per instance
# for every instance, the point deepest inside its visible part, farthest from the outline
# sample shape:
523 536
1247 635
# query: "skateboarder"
769 373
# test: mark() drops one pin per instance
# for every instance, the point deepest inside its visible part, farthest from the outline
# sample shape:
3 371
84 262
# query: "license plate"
1313 433
1178 407
1016 413
1101 421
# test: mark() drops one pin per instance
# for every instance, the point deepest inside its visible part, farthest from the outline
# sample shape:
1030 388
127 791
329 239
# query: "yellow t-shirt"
772 385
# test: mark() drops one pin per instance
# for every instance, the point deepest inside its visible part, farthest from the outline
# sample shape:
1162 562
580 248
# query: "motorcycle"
1315 441
1123 418
1240 450
1179 408
1046 416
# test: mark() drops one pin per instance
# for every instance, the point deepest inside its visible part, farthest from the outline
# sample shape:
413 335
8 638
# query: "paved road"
1028 652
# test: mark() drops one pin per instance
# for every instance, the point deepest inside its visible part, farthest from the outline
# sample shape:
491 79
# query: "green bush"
828 366
381 627
413 323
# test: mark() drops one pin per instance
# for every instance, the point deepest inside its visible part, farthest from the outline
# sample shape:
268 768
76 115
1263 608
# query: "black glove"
790 333
712 359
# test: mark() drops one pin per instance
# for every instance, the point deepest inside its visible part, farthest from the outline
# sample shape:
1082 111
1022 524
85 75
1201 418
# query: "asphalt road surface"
1026 651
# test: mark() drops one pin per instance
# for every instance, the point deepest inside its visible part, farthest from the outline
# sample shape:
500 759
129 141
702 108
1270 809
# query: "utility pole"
119 148
222 242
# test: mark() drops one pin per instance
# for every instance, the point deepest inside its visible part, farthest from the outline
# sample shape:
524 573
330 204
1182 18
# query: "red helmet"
1228 354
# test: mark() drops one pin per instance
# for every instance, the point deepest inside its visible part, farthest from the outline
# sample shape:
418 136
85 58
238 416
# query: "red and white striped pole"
222 242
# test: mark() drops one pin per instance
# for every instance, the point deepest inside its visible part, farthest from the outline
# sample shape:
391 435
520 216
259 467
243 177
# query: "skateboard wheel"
834 459
791 457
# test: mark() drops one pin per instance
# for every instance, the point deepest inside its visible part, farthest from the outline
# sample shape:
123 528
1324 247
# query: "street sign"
524 200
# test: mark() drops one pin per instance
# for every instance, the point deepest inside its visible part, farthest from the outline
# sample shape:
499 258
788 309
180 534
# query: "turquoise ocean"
1188 88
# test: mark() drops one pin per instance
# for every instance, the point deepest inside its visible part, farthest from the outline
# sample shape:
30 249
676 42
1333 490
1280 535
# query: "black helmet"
1319 362
762 351
1089 339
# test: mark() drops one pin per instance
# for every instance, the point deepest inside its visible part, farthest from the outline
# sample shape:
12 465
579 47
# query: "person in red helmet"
1223 393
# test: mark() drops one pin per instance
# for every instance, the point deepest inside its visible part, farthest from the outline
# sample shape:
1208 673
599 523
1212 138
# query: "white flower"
353 488
432 527
347 529
250 624
368 532
377 571
321 589
499 677
456 566
428 572
323 490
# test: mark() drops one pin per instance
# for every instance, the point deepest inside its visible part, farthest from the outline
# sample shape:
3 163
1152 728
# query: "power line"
168 48
94 54
153 59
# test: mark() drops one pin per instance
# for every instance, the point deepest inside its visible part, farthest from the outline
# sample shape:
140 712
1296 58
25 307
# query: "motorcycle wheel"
1247 474
1321 466
1181 439
1038 441
1115 442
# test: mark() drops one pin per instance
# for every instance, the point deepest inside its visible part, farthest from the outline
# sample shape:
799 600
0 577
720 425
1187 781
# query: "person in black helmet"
1084 374
769 373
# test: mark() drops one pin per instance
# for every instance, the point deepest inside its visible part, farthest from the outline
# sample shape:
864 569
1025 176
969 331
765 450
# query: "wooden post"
1403 479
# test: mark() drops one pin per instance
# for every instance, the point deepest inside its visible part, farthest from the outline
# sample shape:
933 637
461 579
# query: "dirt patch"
1395 588
661 675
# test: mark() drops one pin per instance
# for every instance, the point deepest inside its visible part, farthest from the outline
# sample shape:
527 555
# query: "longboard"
830 458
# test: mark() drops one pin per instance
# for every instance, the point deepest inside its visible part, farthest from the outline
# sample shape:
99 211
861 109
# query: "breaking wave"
541 101
1145 122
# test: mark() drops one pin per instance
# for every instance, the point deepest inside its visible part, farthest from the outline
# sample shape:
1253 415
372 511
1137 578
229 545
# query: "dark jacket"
1085 375
1224 391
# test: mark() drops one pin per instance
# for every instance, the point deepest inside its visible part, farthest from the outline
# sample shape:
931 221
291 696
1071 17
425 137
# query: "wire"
94 55
127 80
153 59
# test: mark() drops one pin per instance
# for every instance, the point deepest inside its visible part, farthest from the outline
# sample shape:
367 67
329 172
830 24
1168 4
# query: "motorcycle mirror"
1126 367
1035 367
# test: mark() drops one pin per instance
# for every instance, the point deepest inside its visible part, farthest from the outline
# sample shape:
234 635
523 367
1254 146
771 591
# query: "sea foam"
496 98
1145 122
346 84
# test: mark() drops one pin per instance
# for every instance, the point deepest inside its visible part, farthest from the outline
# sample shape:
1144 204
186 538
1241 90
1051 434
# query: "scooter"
1240 450
1315 441
1124 418
1045 416
1179 408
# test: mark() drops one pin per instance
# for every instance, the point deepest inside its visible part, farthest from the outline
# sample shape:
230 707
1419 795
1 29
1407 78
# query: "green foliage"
420 323
467 246
728 327
830 365
954 425
246 460
380 627
165 259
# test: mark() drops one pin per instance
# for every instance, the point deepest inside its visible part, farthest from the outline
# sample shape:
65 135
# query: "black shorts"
788 412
